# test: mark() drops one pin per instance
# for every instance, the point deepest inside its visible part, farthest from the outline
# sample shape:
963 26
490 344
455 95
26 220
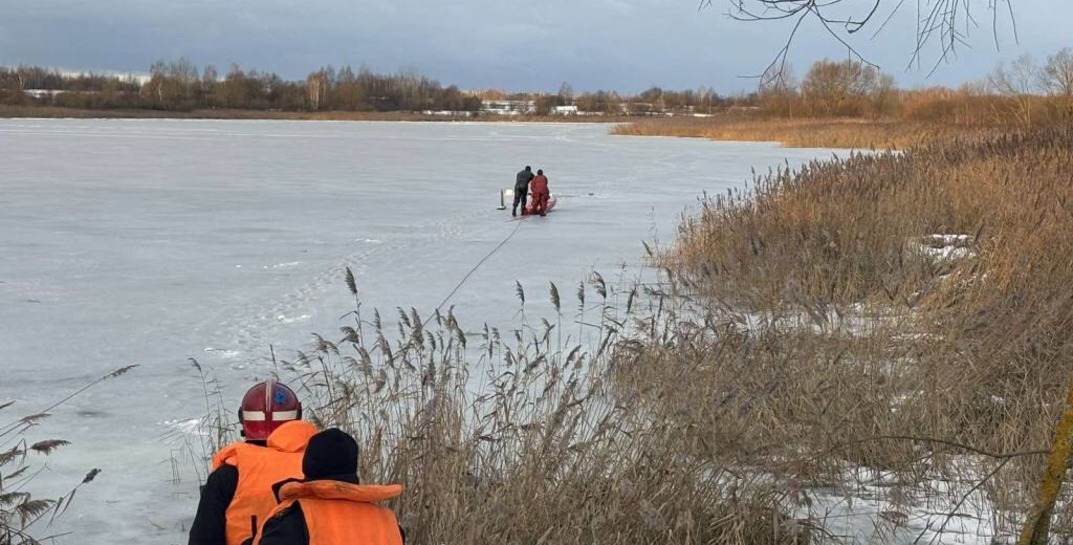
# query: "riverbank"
849 133
904 315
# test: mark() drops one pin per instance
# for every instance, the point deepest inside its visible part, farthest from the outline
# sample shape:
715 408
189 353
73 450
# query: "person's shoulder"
225 476
224 470
229 454
286 526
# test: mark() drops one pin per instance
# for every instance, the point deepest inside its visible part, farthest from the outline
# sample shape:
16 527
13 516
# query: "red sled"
528 210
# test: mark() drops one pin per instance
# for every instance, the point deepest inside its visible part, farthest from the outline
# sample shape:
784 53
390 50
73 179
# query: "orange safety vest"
258 469
338 513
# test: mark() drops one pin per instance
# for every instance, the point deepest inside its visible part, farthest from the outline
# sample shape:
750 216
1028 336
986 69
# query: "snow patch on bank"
944 247
873 507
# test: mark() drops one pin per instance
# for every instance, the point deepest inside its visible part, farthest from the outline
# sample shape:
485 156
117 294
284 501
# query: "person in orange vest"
330 506
237 496
538 188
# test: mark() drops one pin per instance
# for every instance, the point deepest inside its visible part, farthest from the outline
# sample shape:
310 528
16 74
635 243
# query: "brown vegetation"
854 133
877 327
919 117
850 105
180 88
524 436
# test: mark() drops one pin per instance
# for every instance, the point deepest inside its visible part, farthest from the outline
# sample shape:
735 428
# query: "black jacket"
289 528
210 523
521 183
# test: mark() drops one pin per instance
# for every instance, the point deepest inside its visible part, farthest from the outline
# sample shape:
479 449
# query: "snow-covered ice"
154 241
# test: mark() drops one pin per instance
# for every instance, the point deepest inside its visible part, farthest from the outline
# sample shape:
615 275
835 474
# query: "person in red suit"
538 189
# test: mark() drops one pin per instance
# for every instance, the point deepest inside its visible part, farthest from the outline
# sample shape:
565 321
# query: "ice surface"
151 241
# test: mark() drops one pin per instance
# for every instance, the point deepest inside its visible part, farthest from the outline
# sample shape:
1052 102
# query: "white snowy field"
154 241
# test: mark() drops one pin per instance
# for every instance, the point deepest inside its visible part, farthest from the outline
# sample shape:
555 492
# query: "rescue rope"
488 256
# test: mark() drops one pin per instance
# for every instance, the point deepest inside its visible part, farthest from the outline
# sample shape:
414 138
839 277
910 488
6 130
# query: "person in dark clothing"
330 506
210 522
521 189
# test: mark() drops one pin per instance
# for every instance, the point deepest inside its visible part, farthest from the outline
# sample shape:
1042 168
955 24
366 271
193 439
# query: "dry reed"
894 322
21 512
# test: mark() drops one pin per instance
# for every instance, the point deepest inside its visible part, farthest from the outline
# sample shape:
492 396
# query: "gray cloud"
514 44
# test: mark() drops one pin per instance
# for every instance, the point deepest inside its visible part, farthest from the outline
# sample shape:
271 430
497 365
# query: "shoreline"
810 132
53 112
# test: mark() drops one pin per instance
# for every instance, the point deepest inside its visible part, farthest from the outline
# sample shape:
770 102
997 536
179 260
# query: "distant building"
448 113
642 108
508 107
43 93
565 110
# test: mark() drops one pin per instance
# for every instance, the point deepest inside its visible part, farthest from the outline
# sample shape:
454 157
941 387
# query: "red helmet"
267 406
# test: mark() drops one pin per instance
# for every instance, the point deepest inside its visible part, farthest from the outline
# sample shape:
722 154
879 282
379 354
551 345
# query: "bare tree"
1057 74
841 88
317 88
883 95
234 89
172 84
209 78
566 94
1018 80
944 24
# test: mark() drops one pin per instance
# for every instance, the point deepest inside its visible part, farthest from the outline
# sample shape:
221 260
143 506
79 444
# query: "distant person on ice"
521 188
237 497
539 189
329 506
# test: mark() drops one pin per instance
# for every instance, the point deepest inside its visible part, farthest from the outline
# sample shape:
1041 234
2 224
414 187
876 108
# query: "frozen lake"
153 241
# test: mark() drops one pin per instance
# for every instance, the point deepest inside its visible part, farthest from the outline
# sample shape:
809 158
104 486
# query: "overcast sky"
626 45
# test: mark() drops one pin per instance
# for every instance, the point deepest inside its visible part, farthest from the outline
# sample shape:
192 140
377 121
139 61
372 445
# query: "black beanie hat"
331 455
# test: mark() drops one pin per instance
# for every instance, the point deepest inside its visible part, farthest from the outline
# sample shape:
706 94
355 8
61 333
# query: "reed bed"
524 436
915 311
849 133
22 513
914 118
888 328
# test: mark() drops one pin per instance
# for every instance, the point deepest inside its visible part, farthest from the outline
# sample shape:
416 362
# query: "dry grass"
850 133
23 515
917 118
861 332
526 438
806 334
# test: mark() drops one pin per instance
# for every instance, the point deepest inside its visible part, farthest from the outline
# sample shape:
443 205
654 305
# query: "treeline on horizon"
1019 92
181 86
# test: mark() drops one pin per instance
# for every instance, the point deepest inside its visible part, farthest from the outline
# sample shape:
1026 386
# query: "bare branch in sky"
942 24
